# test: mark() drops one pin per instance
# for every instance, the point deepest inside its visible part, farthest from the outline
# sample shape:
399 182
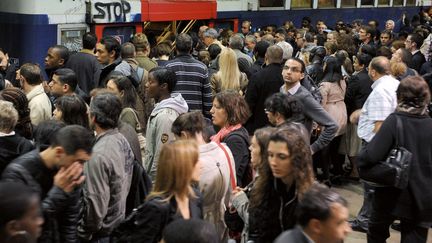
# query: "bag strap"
138 126
399 131
140 72
233 183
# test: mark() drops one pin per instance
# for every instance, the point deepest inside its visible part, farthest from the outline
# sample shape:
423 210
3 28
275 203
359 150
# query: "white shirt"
381 102
291 91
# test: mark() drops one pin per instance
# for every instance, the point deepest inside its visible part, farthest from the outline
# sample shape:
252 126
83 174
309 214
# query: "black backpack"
140 187
136 76
129 230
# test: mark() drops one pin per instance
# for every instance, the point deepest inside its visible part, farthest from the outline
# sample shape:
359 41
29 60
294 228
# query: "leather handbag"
394 171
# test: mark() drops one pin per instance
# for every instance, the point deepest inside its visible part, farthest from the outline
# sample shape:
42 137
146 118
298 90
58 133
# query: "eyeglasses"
293 69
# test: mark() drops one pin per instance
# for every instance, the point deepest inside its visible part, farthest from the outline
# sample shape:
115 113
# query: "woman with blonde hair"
229 75
217 172
172 197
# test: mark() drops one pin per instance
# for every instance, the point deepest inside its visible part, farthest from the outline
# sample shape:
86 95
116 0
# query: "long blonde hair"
229 72
175 167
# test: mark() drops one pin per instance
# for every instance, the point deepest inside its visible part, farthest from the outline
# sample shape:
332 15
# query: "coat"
238 142
333 96
414 202
275 215
60 209
159 129
358 89
262 85
39 105
292 236
11 147
158 213
108 179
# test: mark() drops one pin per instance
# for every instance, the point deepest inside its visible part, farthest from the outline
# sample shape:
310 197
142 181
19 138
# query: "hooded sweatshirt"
159 129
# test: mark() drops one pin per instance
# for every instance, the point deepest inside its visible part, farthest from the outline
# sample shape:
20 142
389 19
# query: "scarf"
224 132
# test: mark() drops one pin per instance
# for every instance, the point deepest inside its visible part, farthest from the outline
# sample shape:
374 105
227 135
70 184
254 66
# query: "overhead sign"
115 11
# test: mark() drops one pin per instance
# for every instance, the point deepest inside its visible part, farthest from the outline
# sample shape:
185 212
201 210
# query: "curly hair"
301 160
264 200
18 98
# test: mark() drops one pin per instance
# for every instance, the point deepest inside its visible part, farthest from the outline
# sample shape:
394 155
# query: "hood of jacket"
175 102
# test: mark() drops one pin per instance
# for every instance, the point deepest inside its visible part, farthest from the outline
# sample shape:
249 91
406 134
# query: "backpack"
140 187
130 229
310 85
136 76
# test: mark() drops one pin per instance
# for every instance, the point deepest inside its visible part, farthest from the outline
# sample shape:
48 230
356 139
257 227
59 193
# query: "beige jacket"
39 104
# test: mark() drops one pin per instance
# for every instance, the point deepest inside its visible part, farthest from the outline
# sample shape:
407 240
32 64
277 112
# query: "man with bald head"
262 85
381 102
390 25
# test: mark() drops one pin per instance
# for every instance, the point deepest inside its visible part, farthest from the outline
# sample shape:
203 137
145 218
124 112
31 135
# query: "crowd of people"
231 136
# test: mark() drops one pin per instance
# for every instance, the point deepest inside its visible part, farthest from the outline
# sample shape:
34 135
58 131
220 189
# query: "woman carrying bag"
412 204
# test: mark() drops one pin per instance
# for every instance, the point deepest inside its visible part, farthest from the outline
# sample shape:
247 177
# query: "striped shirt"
381 102
192 82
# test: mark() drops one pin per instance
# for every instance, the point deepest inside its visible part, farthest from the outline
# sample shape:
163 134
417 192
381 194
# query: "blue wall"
330 16
27 37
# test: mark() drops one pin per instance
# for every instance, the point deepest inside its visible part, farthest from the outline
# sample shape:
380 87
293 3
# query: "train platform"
353 193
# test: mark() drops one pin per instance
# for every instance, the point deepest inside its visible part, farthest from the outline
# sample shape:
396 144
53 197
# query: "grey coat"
108 177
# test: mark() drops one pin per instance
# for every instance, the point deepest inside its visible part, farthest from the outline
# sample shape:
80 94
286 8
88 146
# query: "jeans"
362 218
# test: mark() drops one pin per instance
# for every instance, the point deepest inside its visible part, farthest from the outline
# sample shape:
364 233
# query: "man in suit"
322 218
262 85
413 43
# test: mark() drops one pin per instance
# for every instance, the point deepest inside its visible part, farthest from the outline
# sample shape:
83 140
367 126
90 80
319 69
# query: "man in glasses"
293 72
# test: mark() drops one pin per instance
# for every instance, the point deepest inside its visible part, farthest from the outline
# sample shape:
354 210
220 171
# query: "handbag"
394 171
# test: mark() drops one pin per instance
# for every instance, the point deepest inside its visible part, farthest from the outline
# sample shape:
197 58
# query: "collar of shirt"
2 134
414 52
294 89
378 81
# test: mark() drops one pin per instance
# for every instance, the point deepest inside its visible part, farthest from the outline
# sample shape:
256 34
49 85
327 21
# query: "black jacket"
238 142
87 70
261 86
156 214
417 61
11 147
105 73
60 209
272 217
359 87
414 202
315 71
256 67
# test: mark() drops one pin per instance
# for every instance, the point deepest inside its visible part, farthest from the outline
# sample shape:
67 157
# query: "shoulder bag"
394 171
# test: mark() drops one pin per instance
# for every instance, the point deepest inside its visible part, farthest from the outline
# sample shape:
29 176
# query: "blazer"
292 236
417 61
262 85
